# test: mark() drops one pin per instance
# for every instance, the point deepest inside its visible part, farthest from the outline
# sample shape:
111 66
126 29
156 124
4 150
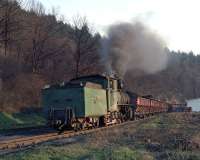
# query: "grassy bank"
19 120
166 137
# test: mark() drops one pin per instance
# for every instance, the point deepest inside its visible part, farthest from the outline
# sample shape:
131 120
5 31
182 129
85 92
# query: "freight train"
94 101
179 107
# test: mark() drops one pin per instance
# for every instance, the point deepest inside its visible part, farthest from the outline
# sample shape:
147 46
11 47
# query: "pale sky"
177 21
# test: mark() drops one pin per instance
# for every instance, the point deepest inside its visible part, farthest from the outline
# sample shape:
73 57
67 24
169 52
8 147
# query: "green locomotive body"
84 101
87 101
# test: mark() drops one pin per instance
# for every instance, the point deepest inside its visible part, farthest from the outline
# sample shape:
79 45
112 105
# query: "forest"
38 48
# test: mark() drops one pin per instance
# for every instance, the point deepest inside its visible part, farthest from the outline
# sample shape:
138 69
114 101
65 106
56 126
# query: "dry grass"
21 93
175 133
173 136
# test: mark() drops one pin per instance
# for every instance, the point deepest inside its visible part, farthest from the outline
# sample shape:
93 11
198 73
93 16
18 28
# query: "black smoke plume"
133 48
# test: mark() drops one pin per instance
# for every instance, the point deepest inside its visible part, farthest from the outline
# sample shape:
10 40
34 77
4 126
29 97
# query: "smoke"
133 47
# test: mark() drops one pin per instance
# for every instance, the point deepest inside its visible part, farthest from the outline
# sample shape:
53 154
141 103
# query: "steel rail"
23 142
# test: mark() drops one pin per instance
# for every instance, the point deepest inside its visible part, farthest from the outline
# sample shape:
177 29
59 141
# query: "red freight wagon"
149 106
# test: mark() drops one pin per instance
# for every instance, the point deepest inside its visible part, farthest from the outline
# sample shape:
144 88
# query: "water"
194 103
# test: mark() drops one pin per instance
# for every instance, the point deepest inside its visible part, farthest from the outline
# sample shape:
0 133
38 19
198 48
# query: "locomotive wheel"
96 124
119 121
77 126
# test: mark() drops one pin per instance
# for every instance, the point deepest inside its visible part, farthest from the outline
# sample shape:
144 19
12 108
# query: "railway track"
8 146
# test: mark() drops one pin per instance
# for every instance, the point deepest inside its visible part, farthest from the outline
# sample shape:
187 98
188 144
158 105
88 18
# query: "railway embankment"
166 136
8 122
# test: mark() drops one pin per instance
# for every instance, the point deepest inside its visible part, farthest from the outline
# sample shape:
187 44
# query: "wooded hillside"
178 82
36 48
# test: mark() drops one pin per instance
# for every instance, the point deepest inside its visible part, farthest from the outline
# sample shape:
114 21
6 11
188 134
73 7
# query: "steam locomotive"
93 101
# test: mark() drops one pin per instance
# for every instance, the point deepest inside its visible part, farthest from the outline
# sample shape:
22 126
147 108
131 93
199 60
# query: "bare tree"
9 24
86 45
43 42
